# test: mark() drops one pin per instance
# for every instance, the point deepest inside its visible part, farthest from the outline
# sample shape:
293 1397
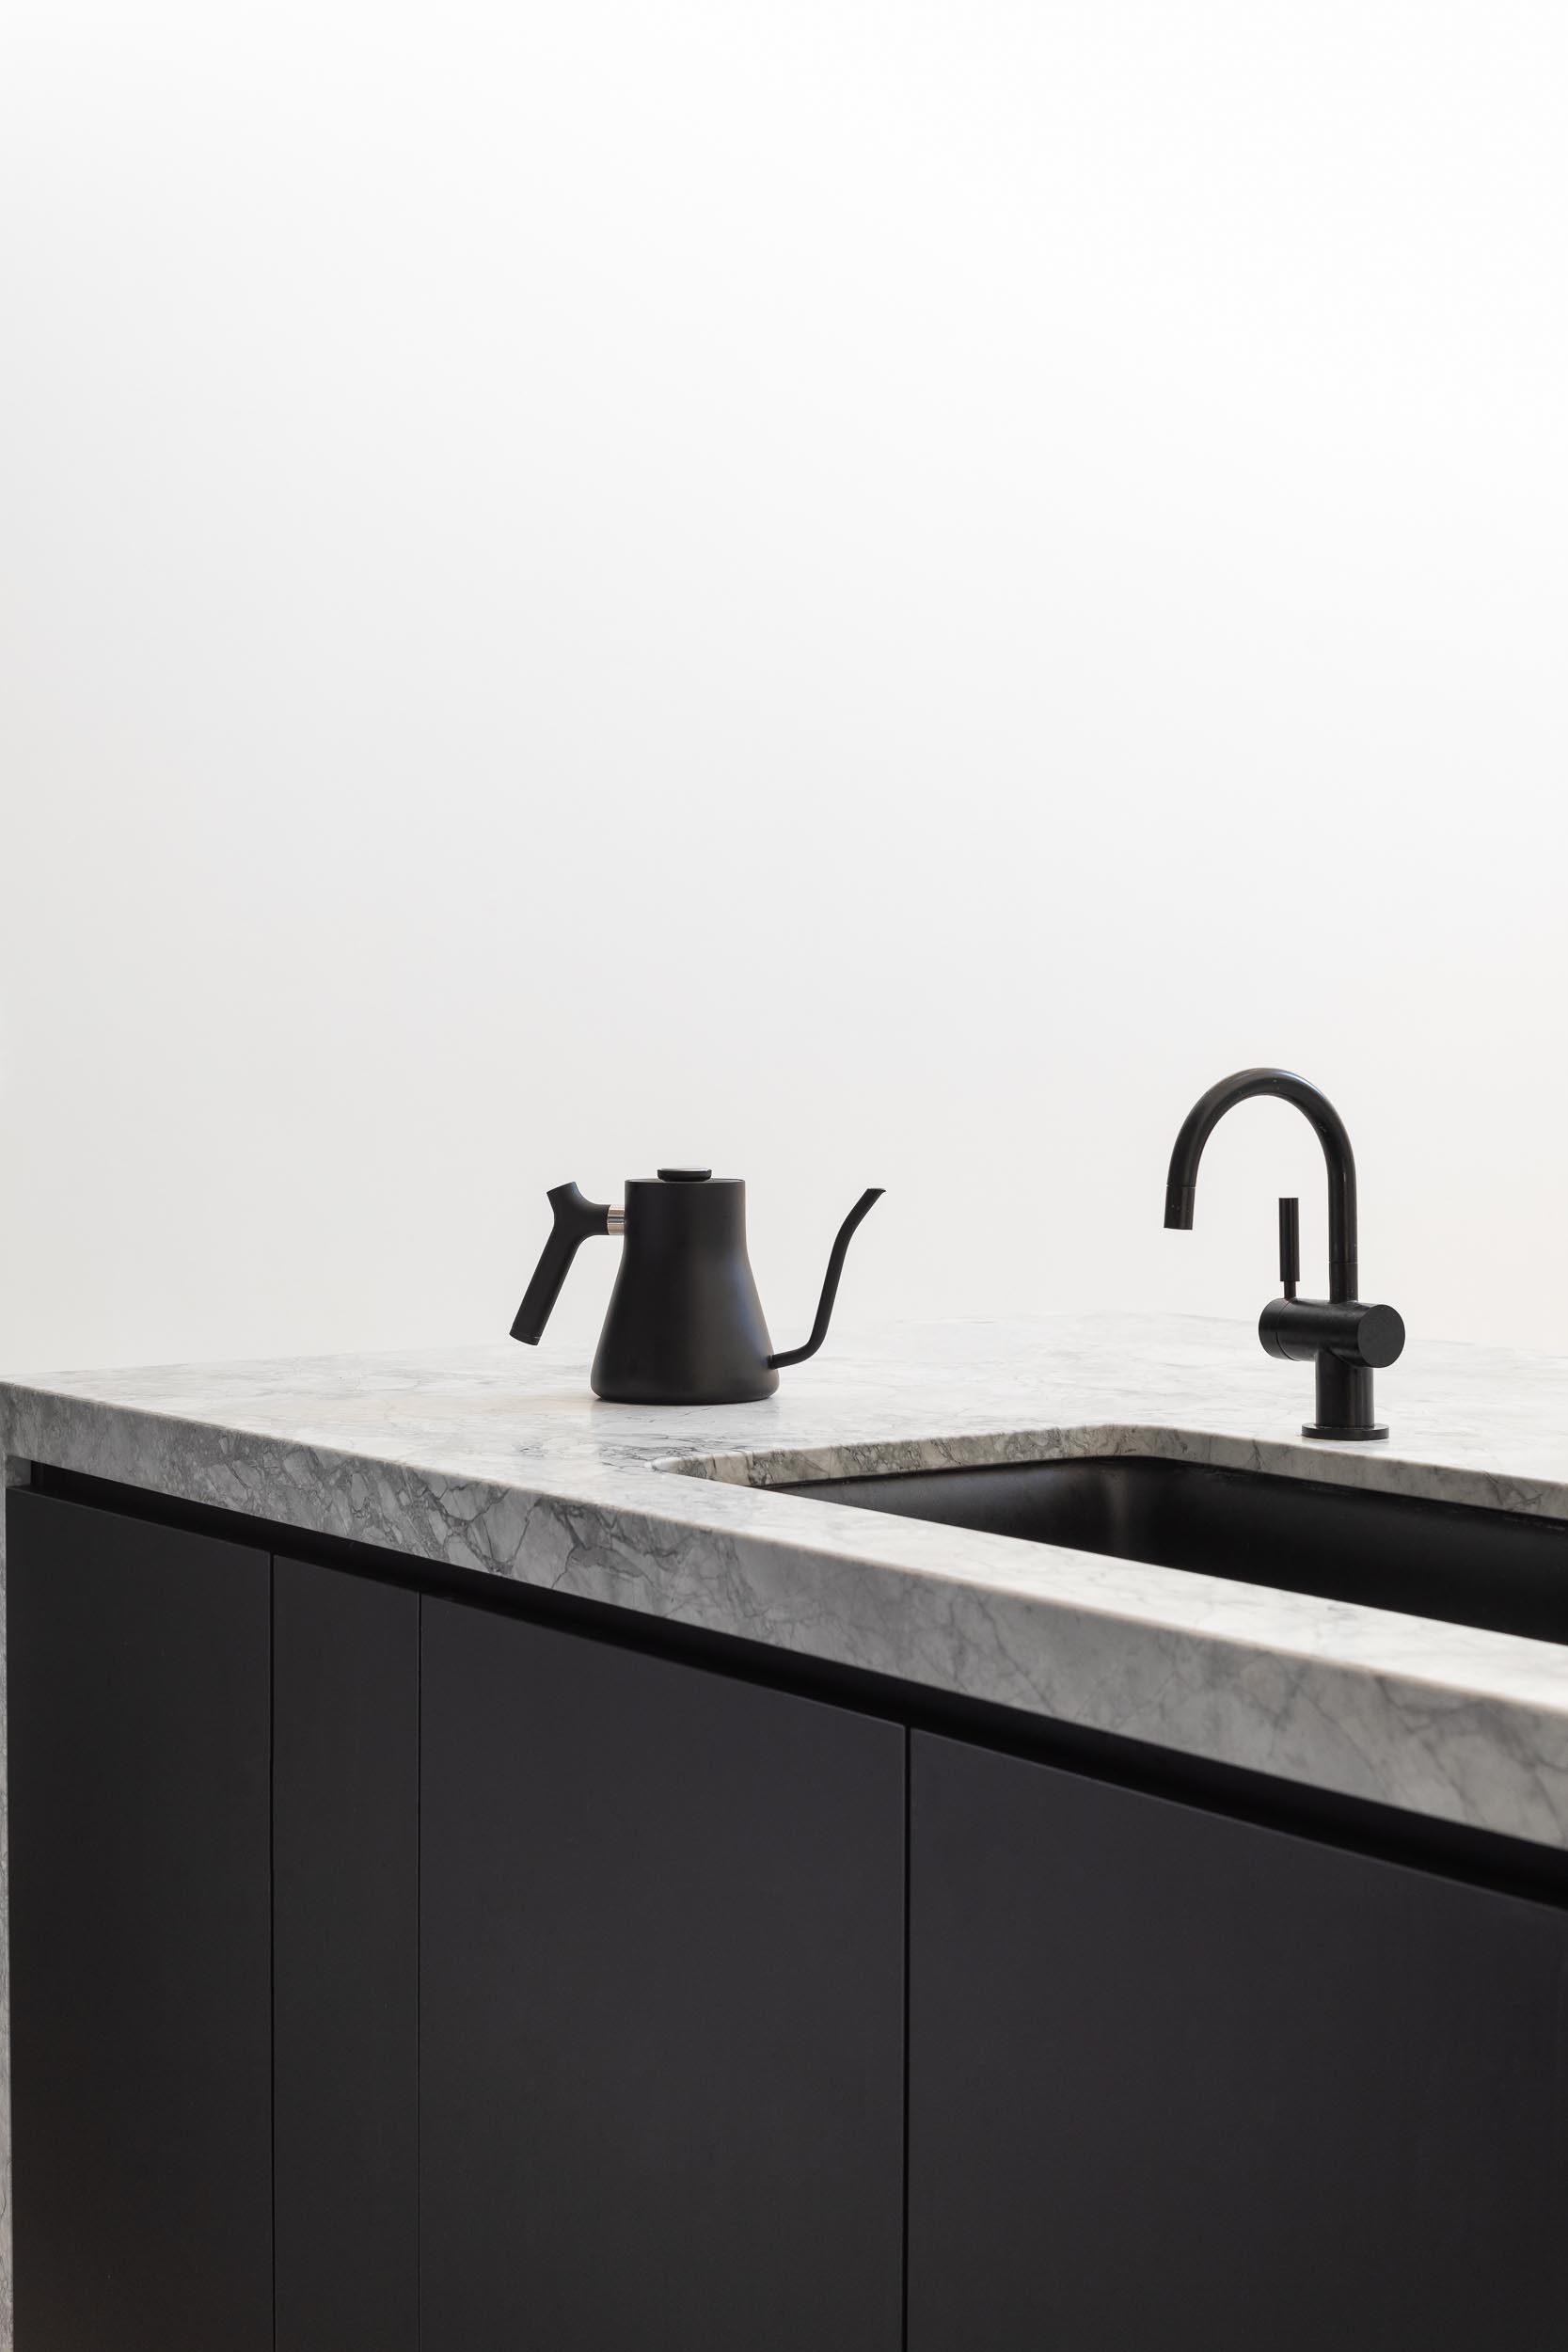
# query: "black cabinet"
1178 2080
214 1872
394 1974
139 1753
345 1960
662 2001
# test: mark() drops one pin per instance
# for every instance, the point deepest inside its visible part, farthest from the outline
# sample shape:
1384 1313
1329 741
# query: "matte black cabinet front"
345 1960
1176 2080
139 1747
395 1975
214 1873
661 2004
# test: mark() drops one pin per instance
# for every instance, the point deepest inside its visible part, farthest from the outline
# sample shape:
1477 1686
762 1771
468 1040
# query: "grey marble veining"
498 1459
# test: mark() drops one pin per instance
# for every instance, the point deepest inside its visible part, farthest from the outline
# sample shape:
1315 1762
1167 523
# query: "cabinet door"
1180 2081
345 1960
661 2014
139 1661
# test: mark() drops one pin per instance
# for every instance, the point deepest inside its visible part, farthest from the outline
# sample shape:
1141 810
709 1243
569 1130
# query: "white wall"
855 592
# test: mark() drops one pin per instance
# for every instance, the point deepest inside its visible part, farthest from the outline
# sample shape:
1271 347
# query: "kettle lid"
684 1175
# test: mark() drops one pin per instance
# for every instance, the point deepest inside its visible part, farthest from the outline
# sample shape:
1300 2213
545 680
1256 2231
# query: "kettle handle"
576 1220
830 1282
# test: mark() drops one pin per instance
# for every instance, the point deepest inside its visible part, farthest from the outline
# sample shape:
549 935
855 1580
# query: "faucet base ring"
1342 1437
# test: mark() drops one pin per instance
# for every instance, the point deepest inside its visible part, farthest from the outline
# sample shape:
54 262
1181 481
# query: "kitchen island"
489 1862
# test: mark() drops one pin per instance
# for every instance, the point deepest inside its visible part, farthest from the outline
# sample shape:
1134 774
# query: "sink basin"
1494 1569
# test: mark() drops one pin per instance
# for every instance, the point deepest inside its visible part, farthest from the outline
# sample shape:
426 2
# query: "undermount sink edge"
1420 1541
1381 1473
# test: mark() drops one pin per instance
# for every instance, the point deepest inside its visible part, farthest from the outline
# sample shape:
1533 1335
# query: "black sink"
1494 1569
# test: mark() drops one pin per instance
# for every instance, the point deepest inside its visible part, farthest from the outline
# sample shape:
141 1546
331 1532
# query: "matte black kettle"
684 1323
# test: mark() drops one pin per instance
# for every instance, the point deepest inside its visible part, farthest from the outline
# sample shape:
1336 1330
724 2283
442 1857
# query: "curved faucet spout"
1200 1124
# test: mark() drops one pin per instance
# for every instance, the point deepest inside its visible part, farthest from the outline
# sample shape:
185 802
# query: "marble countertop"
496 1458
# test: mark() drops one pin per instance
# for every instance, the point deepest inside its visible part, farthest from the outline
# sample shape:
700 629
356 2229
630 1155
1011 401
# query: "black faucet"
1347 1340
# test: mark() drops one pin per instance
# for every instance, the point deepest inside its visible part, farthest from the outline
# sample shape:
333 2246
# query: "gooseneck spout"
1205 1115
863 1207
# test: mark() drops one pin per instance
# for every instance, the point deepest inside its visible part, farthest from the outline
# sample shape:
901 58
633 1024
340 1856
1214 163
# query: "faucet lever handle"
1290 1245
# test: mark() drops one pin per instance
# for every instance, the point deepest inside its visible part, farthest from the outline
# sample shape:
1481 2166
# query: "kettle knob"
576 1220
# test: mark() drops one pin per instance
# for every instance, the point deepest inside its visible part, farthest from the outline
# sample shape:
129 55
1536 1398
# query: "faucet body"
1346 1340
